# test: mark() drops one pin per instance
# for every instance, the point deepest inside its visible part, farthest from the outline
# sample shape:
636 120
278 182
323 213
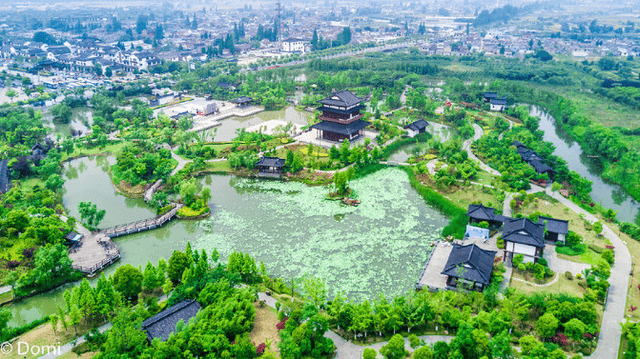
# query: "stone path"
5 289
610 331
555 279
466 146
181 162
560 265
64 349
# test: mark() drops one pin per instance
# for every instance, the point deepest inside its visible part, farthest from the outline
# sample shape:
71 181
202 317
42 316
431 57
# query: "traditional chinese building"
341 118
270 166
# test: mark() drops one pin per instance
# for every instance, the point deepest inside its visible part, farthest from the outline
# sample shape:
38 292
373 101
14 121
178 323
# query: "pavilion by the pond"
242 101
341 118
270 166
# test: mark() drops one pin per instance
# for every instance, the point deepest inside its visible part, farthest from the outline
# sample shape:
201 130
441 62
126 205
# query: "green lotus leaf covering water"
379 246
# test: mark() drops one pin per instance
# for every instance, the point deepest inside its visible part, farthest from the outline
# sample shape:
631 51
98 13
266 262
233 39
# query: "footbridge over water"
143 225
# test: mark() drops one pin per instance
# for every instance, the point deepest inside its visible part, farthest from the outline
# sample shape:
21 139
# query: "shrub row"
458 222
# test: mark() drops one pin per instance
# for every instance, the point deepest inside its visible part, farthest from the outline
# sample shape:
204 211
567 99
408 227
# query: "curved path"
613 317
466 146
555 279
610 331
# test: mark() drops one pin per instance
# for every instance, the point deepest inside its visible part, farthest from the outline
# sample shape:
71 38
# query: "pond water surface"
377 247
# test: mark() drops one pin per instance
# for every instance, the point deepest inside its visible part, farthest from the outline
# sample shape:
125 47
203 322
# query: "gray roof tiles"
344 98
163 324
476 263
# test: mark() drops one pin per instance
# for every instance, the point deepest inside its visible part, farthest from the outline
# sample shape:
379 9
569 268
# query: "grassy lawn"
463 197
5 297
218 166
319 154
589 256
633 296
112 148
41 336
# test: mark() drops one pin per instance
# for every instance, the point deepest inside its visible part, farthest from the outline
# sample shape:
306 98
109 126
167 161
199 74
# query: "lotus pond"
378 247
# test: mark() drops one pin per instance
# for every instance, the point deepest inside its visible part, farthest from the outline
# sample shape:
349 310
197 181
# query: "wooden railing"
103 263
143 225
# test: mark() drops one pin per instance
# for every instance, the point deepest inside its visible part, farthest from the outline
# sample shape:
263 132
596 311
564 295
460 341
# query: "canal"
608 195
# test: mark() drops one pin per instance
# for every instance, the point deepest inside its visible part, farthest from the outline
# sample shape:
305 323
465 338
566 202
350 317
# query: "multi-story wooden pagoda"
341 118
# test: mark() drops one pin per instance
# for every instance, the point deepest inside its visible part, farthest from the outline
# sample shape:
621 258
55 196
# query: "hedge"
458 223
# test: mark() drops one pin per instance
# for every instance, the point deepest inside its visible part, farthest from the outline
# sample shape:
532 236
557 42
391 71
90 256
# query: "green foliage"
52 267
394 349
137 164
243 264
178 262
90 214
369 353
128 280
608 255
61 113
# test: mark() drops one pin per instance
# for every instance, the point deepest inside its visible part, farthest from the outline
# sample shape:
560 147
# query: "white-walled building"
293 45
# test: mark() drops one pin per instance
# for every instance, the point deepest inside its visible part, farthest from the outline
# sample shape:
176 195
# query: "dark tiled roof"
519 144
555 225
225 85
476 263
242 99
478 211
524 231
540 166
344 98
271 162
499 101
342 129
418 125
5 180
490 95
341 111
532 158
164 323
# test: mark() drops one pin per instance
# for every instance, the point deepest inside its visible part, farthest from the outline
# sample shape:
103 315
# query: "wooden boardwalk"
143 225
96 250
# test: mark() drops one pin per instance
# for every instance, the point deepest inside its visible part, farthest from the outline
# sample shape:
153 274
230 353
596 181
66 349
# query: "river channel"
608 195
377 247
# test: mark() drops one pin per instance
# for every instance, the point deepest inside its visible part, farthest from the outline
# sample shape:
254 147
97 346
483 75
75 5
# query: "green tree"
501 346
108 72
150 279
597 228
424 352
394 349
128 281
54 182
575 329
547 325
177 264
61 113
369 353
90 214
414 341
188 190
125 336
5 317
